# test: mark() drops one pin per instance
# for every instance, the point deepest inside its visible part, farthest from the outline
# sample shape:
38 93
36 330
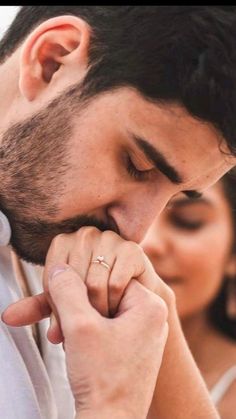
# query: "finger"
81 256
73 249
98 275
81 253
129 264
27 311
54 333
30 310
103 258
69 295
132 263
151 280
97 284
58 253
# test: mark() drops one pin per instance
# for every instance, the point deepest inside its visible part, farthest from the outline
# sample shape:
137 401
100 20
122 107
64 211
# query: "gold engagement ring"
101 261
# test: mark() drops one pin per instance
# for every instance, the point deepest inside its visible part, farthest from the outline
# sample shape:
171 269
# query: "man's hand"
179 374
112 364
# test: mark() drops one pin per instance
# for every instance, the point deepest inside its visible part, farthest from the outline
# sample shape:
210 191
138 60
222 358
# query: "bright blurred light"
7 14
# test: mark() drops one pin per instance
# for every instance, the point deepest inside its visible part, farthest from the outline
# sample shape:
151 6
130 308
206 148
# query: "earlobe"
30 82
51 50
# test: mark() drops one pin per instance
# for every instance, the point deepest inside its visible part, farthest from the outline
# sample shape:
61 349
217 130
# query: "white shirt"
30 387
223 384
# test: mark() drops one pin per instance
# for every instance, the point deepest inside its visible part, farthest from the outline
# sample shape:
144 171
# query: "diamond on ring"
101 261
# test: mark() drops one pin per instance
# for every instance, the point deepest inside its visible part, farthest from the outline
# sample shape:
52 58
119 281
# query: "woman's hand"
105 286
124 260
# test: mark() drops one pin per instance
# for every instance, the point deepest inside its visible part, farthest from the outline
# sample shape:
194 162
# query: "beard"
31 239
34 156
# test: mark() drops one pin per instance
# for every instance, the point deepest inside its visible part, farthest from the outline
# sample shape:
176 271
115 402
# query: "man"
106 113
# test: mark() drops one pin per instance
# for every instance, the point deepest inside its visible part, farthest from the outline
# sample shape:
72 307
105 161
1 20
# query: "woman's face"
190 245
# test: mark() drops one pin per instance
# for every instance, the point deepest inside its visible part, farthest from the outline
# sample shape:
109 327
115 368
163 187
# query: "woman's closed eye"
185 223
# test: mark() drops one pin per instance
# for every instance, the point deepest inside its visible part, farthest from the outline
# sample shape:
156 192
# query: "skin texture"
60 180
105 289
192 261
190 246
96 181
91 341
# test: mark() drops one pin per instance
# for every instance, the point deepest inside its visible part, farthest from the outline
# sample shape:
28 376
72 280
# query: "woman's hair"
170 54
218 309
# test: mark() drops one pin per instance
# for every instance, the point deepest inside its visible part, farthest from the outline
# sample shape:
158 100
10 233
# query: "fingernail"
56 270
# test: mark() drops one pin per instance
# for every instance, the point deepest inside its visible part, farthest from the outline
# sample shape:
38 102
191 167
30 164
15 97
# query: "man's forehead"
171 124
189 145
185 163
189 152
215 172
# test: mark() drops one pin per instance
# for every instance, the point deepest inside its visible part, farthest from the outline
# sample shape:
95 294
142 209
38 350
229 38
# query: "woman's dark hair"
178 54
218 309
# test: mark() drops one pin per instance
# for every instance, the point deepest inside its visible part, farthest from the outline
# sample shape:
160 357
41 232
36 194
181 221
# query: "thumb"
69 295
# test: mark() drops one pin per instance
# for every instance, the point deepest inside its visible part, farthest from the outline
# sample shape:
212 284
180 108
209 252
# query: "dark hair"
179 54
217 310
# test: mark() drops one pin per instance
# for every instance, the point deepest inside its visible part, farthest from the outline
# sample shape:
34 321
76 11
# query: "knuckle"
158 309
85 326
94 287
132 249
87 231
134 254
85 236
109 234
116 286
57 241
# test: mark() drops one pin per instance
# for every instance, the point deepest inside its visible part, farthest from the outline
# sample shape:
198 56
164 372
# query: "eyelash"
139 175
187 225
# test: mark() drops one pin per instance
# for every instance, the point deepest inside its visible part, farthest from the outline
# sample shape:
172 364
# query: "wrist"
107 410
168 295
106 413
117 404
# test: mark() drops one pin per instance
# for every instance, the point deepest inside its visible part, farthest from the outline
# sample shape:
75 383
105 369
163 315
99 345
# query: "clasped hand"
105 287
112 363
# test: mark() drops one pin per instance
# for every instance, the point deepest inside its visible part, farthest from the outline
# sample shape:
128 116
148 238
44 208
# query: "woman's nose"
154 243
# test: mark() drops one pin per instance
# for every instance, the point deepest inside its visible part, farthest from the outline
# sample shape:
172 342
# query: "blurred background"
7 14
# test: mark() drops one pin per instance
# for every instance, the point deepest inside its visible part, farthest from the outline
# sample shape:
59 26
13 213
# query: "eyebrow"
184 201
160 162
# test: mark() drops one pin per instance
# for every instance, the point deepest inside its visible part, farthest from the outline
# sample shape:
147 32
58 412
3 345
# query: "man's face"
115 163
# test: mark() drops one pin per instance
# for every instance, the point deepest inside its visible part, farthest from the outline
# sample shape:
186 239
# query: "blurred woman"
192 246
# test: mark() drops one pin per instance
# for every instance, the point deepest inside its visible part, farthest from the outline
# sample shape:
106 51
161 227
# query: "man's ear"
54 48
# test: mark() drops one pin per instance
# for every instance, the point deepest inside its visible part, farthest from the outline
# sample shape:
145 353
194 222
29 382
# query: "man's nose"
134 218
